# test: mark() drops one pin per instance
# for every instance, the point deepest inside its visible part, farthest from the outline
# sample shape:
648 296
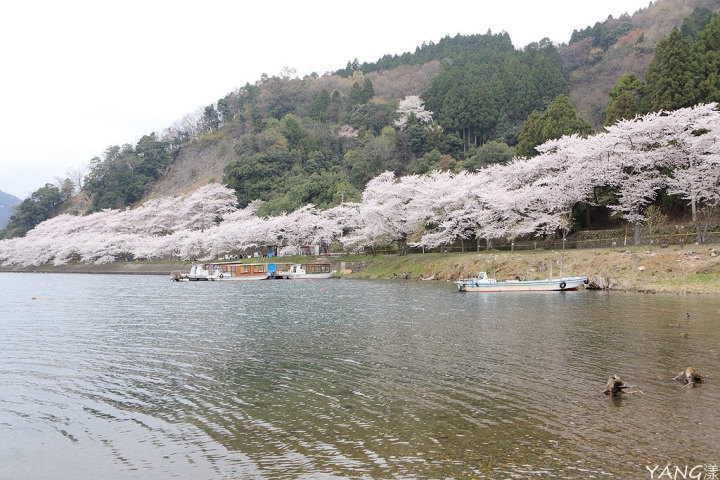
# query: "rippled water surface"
138 377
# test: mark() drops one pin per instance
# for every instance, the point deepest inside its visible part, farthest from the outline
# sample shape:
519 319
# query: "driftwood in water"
689 376
615 385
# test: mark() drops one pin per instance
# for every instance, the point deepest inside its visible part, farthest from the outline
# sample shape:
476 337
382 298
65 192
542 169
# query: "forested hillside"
462 104
44 203
7 202
596 56
290 141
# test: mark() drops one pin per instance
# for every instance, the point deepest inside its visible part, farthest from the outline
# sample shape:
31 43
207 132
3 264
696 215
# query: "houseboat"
215 272
298 271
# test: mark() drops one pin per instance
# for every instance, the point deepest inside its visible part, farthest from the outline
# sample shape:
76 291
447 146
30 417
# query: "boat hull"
551 285
239 278
308 276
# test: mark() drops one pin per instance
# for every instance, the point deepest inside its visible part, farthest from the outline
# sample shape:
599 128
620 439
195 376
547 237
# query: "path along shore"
692 270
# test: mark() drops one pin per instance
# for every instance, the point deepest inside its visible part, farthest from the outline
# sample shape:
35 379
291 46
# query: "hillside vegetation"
7 203
461 104
598 55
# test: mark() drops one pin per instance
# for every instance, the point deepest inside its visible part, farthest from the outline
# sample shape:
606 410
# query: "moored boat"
223 272
300 271
482 283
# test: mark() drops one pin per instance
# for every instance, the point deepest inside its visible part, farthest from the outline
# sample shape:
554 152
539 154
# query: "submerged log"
615 385
690 376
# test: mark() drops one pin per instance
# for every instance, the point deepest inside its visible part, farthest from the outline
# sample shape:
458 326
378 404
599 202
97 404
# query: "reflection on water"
119 376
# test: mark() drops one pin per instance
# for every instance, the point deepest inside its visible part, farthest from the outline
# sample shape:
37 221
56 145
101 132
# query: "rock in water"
598 283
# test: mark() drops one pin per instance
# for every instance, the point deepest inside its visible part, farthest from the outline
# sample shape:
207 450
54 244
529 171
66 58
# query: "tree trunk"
695 219
549 241
638 233
708 217
402 246
462 245
587 215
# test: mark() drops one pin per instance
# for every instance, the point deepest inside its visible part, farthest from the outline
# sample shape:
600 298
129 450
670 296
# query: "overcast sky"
79 76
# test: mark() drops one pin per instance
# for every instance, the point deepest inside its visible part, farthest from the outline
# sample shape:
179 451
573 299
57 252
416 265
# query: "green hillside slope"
595 60
7 203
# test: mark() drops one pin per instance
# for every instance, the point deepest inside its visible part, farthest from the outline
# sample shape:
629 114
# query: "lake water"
107 376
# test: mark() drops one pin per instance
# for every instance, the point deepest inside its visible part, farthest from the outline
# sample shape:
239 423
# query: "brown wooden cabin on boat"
283 270
236 271
317 267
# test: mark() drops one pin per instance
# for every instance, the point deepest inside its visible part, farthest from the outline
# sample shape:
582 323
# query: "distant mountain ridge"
593 58
7 204
593 64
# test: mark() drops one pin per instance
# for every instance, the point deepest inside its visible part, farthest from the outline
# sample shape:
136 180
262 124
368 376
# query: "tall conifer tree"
669 76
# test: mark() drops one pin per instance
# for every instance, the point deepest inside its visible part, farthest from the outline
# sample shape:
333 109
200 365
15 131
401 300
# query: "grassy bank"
668 270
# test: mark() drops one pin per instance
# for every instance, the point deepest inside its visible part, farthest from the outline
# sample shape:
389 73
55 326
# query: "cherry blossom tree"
346 131
347 136
641 148
387 212
700 184
450 207
412 105
206 206
696 176
563 175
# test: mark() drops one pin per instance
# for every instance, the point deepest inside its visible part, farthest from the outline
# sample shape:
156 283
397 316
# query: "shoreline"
694 270
672 270
118 268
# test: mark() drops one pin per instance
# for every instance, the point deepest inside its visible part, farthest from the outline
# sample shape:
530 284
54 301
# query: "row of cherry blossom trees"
207 224
677 150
